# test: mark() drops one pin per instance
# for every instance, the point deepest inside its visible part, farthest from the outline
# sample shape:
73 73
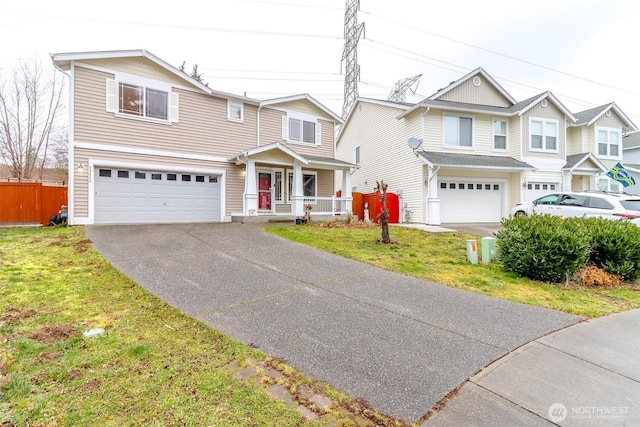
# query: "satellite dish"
414 143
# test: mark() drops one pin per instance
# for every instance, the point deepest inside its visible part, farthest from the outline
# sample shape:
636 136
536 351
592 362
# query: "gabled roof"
63 61
472 161
516 109
531 102
589 117
303 96
243 156
575 160
631 141
393 104
472 74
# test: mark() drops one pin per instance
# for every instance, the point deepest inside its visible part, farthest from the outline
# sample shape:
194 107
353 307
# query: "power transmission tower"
352 31
399 91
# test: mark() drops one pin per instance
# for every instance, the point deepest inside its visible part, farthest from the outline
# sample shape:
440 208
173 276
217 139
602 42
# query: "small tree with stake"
384 216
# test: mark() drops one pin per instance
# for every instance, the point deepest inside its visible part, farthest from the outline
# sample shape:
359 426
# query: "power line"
502 54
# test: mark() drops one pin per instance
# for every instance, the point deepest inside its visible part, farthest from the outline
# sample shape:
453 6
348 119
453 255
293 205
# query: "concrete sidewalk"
584 375
400 343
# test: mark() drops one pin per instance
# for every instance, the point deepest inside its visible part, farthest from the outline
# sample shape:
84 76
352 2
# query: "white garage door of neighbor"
539 189
135 196
470 201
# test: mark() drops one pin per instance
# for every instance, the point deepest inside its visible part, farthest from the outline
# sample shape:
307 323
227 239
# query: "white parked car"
569 203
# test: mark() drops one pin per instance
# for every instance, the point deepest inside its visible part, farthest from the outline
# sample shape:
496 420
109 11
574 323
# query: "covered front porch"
280 185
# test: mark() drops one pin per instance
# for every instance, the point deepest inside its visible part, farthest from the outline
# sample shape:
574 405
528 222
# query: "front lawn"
442 258
153 365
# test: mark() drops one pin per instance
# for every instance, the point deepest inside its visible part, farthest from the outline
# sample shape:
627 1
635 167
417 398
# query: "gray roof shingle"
473 160
631 140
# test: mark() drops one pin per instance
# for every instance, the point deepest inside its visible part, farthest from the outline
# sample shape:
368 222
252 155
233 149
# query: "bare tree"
384 216
30 109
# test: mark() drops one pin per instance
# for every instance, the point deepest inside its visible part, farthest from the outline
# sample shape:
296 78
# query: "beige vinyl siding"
577 140
613 121
485 94
304 106
140 67
549 112
80 186
271 131
234 179
202 129
515 138
384 153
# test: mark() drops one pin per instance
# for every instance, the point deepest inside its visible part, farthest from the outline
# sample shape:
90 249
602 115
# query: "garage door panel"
470 201
128 196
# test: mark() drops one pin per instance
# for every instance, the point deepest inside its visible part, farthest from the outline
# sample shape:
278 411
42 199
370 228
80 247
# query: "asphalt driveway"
399 343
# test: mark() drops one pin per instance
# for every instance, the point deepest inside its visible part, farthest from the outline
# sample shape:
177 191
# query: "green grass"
442 258
152 366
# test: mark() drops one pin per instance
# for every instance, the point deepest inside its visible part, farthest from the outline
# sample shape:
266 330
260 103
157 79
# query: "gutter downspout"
258 126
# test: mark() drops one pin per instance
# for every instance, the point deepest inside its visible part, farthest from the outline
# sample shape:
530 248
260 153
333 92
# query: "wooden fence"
30 202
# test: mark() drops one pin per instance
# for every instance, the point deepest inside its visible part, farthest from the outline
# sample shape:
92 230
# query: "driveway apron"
400 343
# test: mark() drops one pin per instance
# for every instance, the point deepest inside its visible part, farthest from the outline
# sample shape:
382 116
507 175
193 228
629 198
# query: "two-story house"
470 152
631 157
147 143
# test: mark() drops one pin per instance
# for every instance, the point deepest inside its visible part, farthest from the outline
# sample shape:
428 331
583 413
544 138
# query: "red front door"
264 191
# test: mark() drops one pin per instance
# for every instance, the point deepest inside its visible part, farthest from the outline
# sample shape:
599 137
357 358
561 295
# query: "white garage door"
135 196
539 189
470 201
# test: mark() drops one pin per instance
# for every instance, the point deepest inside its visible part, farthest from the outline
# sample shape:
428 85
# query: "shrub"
614 246
591 275
542 247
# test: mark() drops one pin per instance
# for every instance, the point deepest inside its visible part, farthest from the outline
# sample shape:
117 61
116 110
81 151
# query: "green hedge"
552 248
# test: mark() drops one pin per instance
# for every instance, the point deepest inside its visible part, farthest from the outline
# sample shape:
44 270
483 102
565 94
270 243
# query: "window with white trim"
309 187
607 184
235 111
499 134
301 128
458 131
355 155
543 135
131 99
278 185
608 142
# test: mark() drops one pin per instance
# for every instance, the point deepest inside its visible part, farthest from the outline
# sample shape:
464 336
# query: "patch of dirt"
56 242
13 315
51 334
49 356
82 245
92 385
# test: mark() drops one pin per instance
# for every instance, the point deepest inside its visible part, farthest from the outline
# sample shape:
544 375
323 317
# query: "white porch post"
566 181
250 190
433 201
347 195
297 200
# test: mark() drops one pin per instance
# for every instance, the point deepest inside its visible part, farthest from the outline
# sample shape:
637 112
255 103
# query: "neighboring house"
631 157
470 152
596 137
150 144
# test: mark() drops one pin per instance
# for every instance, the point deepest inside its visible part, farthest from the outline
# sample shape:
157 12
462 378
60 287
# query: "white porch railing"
327 205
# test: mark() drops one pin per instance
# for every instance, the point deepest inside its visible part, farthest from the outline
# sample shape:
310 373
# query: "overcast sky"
585 52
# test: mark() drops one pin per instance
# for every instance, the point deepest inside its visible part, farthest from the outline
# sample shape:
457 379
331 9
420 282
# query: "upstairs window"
543 135
458 131
301 129
136 100
608 142
142 102
499 134
355 155
235 111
